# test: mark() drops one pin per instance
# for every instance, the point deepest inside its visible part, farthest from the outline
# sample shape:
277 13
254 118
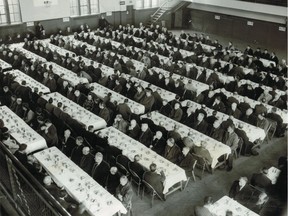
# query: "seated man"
200 124
100 169
124 192
136 166
186 161
158 143
200 150
155 180
231 139
205 209
240 190
86 161
113 180
261 180
172 151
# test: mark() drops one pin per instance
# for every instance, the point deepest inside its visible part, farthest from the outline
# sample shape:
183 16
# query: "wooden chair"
201 163
152 190
122 164
135 178
192 173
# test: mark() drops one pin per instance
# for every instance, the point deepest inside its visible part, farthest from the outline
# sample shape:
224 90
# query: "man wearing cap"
171 151
100 169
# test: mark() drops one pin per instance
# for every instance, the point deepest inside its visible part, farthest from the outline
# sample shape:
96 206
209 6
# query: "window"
14 11
3 18
9 12
74 7
155 3
94 5
84 7
147 3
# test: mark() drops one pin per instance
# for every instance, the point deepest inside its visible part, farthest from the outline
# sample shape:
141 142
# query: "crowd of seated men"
44 117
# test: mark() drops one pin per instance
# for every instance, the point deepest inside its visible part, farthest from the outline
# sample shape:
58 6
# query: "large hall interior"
143 107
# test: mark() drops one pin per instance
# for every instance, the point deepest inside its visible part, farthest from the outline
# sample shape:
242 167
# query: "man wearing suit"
148 100
124 109
204 210
216 132
100 169
261 180
218 105
50 133
231 139
133 130
166 108
79 98
136 166
171 151
240 190
155 180
104 112
124 192
186 161
200 124
202 151
234 111
146 135
158 143
176 113
76 153
86 161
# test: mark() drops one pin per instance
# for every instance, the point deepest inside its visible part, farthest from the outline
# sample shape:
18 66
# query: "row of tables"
253 133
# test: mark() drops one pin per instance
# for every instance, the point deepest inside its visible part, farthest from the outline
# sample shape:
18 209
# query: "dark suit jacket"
241 196
201 127
86 162
134 133
146 137
76 154
155 180
159 145
260 180
137 168
202 211
172 153
99 173
186 162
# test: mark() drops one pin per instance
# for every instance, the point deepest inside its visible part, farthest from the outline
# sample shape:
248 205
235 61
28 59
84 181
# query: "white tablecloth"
253 132
21 132
69 75
226 203
102 91
254 85
273 174
28 54
253 103
78 183
77 112
131 147
215 148
30 82
199 87
53 48
4 65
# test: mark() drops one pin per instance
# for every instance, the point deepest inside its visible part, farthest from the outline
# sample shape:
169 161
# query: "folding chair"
201 163
151 189
135 178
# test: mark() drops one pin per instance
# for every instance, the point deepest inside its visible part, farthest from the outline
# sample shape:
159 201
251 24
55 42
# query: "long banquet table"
131 147
66 74
254 133
224 204
215 148
253 103
21 132
102 91
28 54
77 112
82 187
30 82
199 87
4 65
